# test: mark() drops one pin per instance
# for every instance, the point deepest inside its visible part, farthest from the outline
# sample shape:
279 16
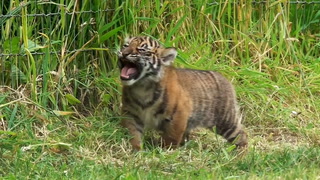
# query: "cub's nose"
127 51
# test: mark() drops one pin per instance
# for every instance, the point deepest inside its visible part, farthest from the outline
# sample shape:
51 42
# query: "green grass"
59 111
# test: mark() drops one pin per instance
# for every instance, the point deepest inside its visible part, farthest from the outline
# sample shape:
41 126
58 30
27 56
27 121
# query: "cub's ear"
127 38
168 55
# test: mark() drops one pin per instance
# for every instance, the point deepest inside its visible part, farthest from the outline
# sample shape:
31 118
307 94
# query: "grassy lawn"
59 111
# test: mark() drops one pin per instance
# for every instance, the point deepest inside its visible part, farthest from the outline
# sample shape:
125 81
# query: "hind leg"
172 136
173 131
240 140
234 133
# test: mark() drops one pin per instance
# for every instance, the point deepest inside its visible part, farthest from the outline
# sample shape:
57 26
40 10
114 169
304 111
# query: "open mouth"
129 70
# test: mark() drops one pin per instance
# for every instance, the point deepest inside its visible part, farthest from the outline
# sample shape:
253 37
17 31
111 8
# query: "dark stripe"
231 139
125 98
135 117
153 59
163 105
154 71
241 134
222 127
220 111
156 95
204 104
230 131
137 122
137 102
154 45
225 111
139 128
157 44
158 64
148 74
217 83
145 45
149 40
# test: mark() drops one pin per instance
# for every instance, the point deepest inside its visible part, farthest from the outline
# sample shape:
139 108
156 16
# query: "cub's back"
212 96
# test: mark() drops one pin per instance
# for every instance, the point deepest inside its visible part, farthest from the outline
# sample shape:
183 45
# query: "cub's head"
143 58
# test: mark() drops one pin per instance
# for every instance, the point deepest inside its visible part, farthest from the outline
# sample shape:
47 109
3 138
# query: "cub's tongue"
127 70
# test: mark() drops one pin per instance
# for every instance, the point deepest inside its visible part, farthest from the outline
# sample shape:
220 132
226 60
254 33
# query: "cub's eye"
141 49
147 53
125 45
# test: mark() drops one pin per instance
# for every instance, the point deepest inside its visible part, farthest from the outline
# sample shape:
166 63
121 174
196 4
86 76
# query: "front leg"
135 131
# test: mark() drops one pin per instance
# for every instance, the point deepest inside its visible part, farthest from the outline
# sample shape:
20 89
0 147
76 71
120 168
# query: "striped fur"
173 101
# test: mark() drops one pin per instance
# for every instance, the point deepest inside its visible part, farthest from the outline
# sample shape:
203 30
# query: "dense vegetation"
60 91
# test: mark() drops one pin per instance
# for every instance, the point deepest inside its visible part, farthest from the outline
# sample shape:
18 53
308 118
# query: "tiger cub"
174 101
